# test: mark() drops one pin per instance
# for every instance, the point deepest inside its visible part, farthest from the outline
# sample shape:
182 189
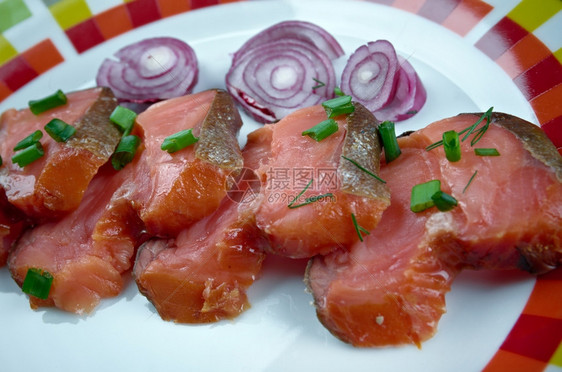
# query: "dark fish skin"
217 141
94 131
362 144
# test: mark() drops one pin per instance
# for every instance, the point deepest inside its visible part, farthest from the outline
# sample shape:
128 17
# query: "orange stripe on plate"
4 91
508 361
466 15
173 7
523 55
546 299
43 56
547 106
412 6
114 21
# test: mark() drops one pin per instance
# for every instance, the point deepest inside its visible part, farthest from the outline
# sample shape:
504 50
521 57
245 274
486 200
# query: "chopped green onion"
178 141
0 161
54 100
29 140
480 132
486 152
338 92
363 169
319 85
469 181
389 141
421 195
338 106
37 283
125 151
300 194
452 145
124 119
28 155
359 229
59 130
322 130
443 201
309 200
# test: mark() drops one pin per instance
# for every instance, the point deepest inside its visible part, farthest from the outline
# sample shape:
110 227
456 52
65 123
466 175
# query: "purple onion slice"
150 70
304 31
273 79
409 98
371 74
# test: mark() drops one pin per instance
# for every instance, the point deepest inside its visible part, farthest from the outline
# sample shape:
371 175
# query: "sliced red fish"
297 161
390 289
88 250
174 190
12 224
202 275
54 184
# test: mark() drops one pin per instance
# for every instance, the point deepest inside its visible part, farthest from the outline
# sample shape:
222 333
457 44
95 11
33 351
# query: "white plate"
280 332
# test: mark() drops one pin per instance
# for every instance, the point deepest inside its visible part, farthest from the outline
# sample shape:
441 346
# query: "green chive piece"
37 283
178 141
319 84
338 92
486 152
124 119
443 201
480 132
300 194
470 181
41 105
358 229
363 169
0 161
28 155
29 140
452 145
125 151
389 141
421 195
309 200
322 130
338 106
59 130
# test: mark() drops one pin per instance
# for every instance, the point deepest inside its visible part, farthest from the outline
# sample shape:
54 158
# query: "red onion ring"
150 70
370 74
409 98
273 79
296 30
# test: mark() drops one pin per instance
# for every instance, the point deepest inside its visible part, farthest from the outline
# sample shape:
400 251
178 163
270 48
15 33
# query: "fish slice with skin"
390 289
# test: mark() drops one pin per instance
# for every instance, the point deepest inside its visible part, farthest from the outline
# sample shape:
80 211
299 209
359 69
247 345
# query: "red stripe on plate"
16 73
540 78
438 10
534 336
196 4
553 130
501 37
85 35
143 12
506 361
523 55
173 7
547 106
4 91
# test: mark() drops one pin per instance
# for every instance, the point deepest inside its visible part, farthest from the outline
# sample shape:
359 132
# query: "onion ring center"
157 59
283 77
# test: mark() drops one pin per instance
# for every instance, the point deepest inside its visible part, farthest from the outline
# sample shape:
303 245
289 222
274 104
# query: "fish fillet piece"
12 224
295 160
390 289
87 251
54 185
202 275
175 190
